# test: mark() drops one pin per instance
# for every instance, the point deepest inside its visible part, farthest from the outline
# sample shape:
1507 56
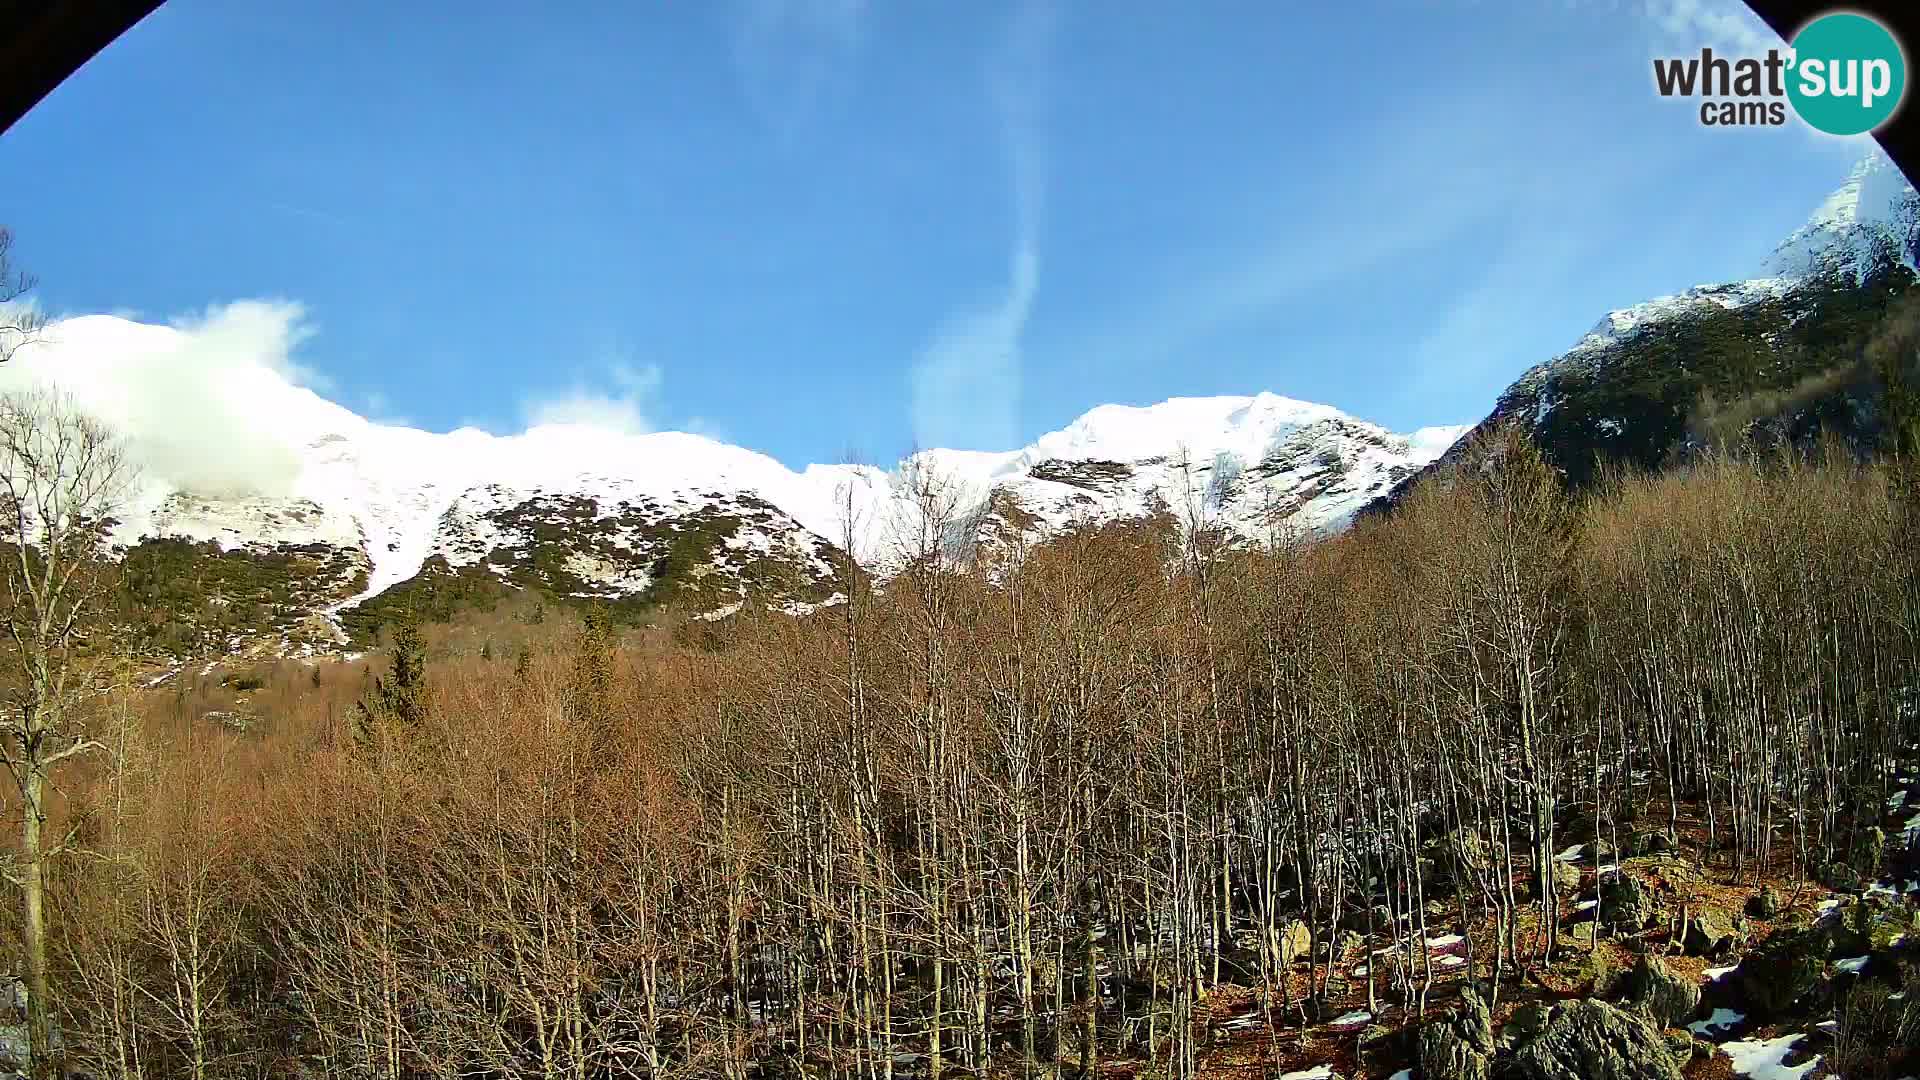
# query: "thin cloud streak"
1442 169
965 381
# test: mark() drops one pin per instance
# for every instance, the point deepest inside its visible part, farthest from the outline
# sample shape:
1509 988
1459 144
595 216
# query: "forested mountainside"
1820 344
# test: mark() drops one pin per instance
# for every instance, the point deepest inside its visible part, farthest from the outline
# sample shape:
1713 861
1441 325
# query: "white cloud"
627 406
706 428
219 403
255 333
1476 339
966 379
201 404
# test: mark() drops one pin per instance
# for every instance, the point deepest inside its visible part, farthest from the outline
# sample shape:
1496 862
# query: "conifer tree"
398 700
591 693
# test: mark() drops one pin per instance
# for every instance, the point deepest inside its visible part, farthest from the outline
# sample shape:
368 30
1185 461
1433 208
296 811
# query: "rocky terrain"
1671 967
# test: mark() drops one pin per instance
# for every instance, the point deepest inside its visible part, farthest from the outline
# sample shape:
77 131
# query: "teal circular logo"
1848 74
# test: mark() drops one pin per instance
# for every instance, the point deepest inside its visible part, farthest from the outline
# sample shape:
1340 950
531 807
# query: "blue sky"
824 228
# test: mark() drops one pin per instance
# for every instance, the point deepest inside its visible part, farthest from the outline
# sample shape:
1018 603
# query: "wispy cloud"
966 378
706 428
1663 26
1017 78
263 332
1443 166
1669 26
794 54
1476 339
622 399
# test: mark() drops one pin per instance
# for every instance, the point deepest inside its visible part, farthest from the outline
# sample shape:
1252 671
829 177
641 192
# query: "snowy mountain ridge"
1874 212
1608 398
579 510
251 460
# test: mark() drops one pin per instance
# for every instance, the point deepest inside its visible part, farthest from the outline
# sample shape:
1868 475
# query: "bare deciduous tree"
19 321
62 476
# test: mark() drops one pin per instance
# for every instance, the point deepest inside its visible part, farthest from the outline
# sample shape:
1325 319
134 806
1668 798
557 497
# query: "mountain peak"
1628 393
1874 212
1201 427
1874 207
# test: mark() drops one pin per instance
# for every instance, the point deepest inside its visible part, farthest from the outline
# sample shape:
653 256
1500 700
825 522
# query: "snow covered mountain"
1874 214
272 501
1640 384
654 518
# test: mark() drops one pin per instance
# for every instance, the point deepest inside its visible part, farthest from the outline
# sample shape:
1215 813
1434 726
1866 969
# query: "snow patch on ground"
1762 1058
1721 1020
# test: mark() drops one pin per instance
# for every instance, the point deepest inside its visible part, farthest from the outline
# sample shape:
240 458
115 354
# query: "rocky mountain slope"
1778 356
352 510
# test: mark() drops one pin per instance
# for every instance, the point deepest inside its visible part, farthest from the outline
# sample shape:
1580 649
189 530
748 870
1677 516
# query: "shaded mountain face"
365 521
1784 356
